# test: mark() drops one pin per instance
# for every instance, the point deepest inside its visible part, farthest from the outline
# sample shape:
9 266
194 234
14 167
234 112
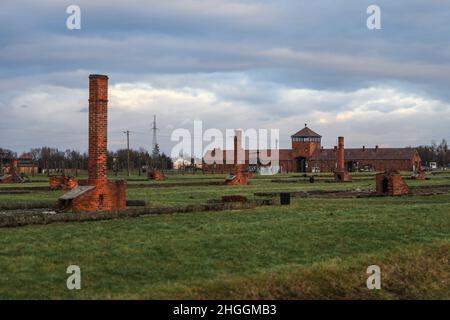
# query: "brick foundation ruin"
341 174
96 193
420 174
63 182
156 175
240 175
13 176
390 183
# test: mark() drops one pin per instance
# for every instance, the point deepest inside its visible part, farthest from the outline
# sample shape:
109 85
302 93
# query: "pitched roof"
367 154
306 132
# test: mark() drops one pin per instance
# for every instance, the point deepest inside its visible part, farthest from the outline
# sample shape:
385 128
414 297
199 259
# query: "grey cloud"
250 56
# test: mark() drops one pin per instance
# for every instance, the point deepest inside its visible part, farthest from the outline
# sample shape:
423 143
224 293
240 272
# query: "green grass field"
315 248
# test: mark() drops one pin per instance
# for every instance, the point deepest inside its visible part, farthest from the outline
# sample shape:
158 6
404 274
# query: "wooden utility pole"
128 151
140 165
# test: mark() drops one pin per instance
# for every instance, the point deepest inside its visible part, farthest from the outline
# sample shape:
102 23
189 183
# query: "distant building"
25 165
180 163
307 155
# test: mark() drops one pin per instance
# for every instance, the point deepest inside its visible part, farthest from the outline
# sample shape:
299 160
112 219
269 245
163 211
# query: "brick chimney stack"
238 151
13 167
97 193
240 176
98 129
340 154
341 173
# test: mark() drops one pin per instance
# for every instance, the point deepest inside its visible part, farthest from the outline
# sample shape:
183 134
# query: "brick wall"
376 165
304 149
327 165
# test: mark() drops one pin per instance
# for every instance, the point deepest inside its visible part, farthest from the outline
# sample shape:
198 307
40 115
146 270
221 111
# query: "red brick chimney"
238 151
13 167
340 155
98 129
341 173
97 193
240 177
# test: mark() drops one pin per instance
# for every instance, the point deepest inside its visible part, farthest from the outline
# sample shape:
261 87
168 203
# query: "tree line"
52 159
438 153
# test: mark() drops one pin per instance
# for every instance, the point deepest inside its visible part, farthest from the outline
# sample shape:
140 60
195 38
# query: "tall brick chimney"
98 129
13 167
340 155
238 151
341 173
97 193
240 177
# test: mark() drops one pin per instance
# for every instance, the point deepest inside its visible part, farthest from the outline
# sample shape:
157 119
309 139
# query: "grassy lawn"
178 195
35 197
315 248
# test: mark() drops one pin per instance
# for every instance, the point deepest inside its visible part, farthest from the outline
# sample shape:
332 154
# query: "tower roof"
307 132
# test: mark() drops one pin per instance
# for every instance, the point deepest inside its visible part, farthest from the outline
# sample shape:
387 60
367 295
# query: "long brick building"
308 155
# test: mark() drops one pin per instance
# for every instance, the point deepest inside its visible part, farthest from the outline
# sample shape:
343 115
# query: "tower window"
306 139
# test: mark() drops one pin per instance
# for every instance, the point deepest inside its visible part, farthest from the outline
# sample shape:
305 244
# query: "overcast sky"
231 64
